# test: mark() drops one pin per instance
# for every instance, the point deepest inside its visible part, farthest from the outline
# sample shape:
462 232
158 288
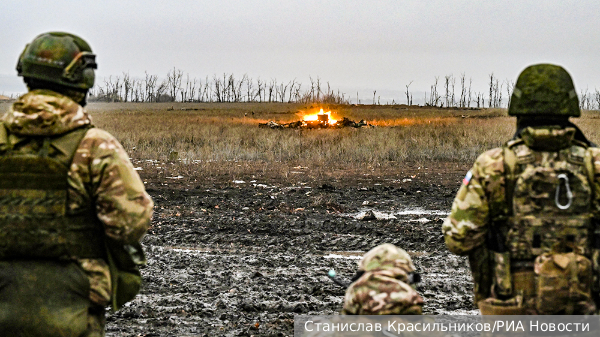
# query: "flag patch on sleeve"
467 178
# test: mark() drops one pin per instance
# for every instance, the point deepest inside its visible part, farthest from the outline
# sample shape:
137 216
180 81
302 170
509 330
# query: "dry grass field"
219 134
224 138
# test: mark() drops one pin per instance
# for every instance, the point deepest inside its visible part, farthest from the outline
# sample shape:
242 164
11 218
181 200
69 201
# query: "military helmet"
544 89
386 256
59 58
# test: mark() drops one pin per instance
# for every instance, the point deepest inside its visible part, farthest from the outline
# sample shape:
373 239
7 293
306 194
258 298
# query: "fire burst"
321 117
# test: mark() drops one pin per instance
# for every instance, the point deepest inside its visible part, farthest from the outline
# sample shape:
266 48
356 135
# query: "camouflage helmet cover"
386 257
544 89
60 58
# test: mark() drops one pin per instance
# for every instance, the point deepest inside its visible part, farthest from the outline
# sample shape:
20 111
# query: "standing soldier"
527 213
72 208
384 286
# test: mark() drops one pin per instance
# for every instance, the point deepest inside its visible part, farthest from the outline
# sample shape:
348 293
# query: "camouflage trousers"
47 298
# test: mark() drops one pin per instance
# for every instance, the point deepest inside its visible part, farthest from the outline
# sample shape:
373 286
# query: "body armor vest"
541 239
549 195
35 221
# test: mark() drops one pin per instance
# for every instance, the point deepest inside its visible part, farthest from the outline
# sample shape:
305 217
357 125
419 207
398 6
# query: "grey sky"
356 45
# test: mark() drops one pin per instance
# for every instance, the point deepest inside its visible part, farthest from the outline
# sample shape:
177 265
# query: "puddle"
371 214
419 211
340 256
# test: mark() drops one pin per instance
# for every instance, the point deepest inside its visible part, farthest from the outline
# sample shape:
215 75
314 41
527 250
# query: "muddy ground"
241 258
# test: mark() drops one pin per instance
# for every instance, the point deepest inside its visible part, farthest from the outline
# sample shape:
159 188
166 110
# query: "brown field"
222 133
214 136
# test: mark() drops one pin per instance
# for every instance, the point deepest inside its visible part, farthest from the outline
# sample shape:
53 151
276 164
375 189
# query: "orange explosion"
316 117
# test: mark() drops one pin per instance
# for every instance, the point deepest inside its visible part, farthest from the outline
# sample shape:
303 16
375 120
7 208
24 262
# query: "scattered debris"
344 122
322 120
365 216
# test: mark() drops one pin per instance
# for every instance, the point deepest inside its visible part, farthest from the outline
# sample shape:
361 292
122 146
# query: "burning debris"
321 120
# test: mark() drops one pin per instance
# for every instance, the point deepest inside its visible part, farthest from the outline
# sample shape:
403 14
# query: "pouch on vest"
563 284
43 298
124 262
481 269
494 306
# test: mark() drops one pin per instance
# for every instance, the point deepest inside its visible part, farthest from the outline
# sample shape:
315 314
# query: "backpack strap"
588 164
4 145
67 144
510 163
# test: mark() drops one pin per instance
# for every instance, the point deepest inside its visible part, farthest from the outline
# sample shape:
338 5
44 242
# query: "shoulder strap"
3 138
68 143
510 162
588 164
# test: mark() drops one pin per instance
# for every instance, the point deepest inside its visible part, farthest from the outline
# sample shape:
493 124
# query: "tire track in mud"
243 260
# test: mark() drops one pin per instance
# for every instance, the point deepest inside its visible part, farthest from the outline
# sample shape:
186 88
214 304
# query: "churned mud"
241 258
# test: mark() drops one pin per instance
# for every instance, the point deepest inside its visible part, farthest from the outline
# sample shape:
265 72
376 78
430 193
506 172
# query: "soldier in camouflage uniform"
67 192
385 286
527 213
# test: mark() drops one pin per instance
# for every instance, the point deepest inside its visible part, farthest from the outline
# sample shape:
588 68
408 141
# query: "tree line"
225 88
450 91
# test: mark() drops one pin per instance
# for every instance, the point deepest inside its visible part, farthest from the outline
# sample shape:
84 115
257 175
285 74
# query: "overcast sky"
355 45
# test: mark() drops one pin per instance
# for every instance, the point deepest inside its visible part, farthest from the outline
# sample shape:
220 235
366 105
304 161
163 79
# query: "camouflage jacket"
100 173
382 292
481 198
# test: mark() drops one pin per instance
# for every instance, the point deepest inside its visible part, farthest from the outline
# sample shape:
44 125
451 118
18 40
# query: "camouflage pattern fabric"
100 173
551 197
481 202
466 227
544 90
61 58
481 198
383 289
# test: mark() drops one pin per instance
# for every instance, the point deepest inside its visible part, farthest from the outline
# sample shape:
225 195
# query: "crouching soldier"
385 286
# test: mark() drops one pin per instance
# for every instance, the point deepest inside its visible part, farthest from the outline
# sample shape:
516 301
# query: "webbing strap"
589 170
3 138
510 163
51 238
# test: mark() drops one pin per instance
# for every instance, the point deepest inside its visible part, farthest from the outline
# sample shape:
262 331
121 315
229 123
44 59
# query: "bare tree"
469 96
218 89
249 90
174 82
138 91
260 90
160 91
127 86
510 86
150 87
463 92
491 100
292 84
447 87
434 97
408 94
272 86
584 100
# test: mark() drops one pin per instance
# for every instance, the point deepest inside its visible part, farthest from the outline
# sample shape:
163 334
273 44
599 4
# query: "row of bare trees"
466 97
589 100
228 88
225 88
